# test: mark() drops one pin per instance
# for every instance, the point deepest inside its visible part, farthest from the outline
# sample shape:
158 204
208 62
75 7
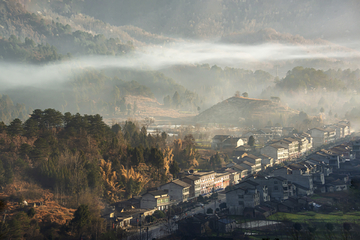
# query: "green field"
302 217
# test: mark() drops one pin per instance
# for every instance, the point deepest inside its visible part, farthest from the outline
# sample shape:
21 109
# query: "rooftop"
192 177
221 137
279 178
249 182
251 156
181 183
157 193
276 146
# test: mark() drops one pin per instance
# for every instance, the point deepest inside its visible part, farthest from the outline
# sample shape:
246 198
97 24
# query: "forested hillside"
79 157
220 82
302 79
48 144
105 92
331 93
15 20
214 18
14 50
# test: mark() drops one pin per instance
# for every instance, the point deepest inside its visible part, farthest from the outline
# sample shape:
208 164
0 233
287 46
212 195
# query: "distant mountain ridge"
47 26
213 18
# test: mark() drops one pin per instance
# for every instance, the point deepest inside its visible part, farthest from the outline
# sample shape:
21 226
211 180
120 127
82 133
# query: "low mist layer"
158 57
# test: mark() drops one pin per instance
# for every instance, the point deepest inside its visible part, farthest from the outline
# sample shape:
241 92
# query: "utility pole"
147 233
140 228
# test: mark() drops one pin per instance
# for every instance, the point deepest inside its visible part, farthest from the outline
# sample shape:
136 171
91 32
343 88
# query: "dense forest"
76 156
48 144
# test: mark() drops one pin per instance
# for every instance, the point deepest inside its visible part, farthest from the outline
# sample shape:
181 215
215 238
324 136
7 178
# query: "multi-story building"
298 175
291 144
178 190
155 199
207 180
234 176
254 160
277 188
322 136
342 129
241 197
248 165
277 152
266 161
243 172
194 181
222 180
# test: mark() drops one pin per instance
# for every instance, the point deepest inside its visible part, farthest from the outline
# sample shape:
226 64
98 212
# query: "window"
241 203
276 188
275 182
241 196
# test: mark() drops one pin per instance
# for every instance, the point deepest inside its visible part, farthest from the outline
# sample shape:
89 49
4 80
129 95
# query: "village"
278 177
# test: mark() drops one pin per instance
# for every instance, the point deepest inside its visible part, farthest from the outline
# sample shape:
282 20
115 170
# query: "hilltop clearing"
242 110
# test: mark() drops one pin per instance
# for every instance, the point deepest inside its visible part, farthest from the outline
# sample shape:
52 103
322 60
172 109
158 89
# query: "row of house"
227 142
329 133
272 136
282 188
288 148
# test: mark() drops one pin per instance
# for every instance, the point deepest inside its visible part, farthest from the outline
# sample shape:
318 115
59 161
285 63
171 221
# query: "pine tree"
176 99
251 141
135 108
167 101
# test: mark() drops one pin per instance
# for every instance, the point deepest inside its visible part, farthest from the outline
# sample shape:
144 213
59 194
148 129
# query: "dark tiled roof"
157 193
251 156
249 182
279 178
221 137
192 177
181 183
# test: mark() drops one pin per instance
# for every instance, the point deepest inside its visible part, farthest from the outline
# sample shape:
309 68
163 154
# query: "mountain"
78 34
212 18
246 111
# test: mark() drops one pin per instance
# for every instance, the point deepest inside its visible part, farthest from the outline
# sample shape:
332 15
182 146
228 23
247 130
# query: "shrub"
347 227
329 227
31 212
310 214
159 214
209 211
150 218
222 205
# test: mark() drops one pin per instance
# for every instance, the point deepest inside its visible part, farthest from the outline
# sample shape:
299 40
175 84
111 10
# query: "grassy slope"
302 217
